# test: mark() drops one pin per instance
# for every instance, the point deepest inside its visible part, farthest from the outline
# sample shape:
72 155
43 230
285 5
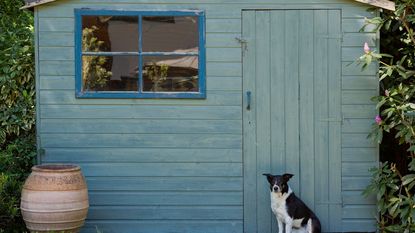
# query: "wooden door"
292 70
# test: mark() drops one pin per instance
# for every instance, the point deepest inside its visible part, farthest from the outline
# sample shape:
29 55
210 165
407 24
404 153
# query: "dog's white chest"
278 206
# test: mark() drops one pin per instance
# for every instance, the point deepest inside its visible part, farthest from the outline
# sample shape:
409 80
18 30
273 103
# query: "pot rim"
56 168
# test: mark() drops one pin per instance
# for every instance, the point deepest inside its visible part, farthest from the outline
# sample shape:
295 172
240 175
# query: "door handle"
248 100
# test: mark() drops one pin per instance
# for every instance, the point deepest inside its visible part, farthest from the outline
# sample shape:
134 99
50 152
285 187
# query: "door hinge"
243 42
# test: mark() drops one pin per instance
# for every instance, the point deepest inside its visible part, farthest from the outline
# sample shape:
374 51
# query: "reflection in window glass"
170 73
170 34
110 33
110 73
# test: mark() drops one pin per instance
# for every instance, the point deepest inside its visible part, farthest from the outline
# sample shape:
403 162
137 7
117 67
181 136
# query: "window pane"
170 34
110 33
171 73
110 73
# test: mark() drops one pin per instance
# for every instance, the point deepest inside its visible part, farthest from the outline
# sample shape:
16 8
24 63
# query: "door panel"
291 66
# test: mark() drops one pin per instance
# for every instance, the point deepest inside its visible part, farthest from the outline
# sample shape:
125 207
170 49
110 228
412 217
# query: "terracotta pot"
55 199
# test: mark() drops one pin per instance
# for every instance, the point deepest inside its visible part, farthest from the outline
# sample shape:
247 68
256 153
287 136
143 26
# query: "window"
140 54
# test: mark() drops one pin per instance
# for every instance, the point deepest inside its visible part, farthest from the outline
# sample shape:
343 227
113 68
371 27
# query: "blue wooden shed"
175 108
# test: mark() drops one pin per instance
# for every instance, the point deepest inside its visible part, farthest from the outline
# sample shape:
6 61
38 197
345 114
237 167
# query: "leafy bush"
17 109
392 184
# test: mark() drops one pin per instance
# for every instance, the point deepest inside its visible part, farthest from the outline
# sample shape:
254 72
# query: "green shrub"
394 184
17 110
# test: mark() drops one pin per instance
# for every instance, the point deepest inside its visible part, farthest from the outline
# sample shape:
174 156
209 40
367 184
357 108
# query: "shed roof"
385 4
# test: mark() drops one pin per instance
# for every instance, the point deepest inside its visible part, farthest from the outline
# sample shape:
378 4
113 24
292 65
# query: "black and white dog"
289 209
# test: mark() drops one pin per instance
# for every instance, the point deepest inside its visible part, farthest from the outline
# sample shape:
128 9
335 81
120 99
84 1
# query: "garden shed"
175 108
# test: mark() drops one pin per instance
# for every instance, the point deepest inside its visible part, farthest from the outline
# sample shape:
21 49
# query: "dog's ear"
269 177
287 176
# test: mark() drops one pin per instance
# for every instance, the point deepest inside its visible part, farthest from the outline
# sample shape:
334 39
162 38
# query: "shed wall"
176 165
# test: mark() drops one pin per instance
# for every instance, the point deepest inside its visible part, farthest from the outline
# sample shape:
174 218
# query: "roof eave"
30 5
384 4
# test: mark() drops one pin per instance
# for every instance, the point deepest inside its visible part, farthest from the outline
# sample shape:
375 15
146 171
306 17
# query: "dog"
289 209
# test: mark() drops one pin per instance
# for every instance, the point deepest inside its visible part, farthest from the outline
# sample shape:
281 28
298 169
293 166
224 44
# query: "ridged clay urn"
55 199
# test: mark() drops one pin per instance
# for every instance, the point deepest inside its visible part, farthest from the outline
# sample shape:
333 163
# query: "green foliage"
157 74
93 67
395 201
17 109
397 73
395 191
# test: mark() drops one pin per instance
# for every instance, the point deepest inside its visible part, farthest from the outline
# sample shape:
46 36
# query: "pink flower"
386 93
366 48
378 119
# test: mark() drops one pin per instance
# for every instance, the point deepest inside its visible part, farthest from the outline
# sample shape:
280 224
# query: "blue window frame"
152 73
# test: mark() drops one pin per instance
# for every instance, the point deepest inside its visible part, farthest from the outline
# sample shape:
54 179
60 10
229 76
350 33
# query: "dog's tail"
315 225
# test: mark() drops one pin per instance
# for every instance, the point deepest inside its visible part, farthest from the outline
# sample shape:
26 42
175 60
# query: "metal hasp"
248 100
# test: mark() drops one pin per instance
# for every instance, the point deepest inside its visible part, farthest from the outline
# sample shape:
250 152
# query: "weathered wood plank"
360 169
140 155
56 53
224 84
354 69
359 111
355 183
358 96
321 111
358 39
262 102
360 82
164 212
56 24
359 212
223 55
183 198
361 225
138 126
137 112
356 25
249 124
58 39
222 40
357 140
222 69
306 107
161 169
223 25
220 141
357 125
165 184
165 226
334 101
278 106
56 68
291 83
359 155
65 97
277 93
357 198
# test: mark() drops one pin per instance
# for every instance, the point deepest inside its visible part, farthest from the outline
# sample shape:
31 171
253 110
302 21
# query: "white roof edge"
32 4
385 4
